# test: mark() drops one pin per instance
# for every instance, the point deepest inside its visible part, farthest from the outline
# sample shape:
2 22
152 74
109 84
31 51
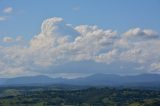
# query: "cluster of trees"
85 97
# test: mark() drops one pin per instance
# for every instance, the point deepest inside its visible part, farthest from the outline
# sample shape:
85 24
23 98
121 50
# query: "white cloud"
122 43
3 18
132 54
59 43
64 43
53 32
155 66
144 33
7 39
19 38
8 10
107 57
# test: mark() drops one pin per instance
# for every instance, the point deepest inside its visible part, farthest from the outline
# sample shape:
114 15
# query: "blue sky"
28 15
20 22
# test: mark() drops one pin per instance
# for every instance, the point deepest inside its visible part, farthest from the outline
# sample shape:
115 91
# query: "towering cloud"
59 43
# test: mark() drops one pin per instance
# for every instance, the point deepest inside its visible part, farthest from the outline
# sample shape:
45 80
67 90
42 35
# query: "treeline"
86 97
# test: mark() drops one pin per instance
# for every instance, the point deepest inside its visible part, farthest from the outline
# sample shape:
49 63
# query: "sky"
75 38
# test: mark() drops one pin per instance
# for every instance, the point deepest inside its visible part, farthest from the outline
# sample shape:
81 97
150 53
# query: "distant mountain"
116 80
142 80
32 80
2 80
97 80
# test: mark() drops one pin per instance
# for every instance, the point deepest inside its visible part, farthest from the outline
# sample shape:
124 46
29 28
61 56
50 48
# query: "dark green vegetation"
41 96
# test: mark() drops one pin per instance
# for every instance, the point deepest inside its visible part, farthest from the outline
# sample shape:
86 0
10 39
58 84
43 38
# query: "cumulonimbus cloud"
59 43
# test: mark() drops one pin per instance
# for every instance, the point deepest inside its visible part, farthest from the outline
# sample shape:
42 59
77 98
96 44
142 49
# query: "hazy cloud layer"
59 43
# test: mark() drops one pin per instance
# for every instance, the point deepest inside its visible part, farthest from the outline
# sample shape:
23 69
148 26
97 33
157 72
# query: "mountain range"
142 80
